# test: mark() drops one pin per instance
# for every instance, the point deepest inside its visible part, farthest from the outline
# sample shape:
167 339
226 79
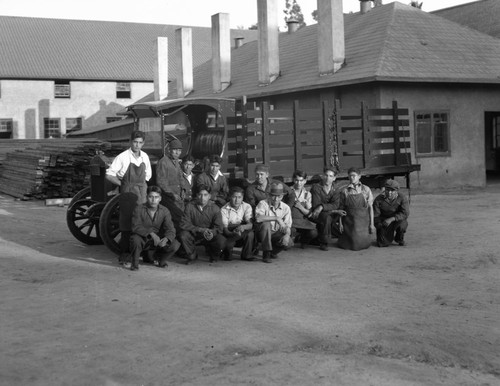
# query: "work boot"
266 257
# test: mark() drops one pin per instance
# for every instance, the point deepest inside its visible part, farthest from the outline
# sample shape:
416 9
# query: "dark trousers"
189 240
176 209
139 244
395 231
245 240
327 223
269 240
306 235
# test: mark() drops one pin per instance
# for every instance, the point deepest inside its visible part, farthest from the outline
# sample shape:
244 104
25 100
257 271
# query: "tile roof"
393 42
481 15
38 48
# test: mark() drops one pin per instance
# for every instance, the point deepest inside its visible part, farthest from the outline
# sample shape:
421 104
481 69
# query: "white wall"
27 102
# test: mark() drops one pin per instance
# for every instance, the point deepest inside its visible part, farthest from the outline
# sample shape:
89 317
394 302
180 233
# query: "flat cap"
391 184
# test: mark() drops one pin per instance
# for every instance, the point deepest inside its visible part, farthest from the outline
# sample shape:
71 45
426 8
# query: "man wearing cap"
169 178
215 180
260 188
391 210
274 223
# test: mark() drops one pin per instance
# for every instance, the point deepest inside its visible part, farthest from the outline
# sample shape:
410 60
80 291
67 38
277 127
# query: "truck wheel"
109 226
82 219
84 193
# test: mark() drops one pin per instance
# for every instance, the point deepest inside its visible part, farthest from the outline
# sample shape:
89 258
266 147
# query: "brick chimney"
161 68
184 49
292 25
221 52
269 63
331 44
364 6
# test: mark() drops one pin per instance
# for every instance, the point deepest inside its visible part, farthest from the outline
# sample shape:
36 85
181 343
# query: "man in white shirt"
237 222
130 170
274 223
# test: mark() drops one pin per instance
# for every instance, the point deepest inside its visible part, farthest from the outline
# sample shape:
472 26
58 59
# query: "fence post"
326 133
244 135
297 144
395 127
264 108
365 134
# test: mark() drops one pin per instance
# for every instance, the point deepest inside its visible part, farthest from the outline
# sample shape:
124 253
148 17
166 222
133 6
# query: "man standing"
153 230
325 204
237 222
130 170
168 178
202 224
274 223
188 177
391 210
215 180
260 188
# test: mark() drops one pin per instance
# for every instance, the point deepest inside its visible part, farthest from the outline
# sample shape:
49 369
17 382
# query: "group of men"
185 210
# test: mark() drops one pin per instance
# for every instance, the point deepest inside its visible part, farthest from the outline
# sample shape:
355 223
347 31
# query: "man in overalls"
130 170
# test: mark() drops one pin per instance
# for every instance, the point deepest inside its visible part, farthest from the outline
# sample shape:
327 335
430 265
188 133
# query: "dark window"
112 119
432 131
73 124
62 89
6 128
123 90
52 128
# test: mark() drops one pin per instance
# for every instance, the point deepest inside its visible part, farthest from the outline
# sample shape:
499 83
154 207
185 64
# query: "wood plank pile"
48 168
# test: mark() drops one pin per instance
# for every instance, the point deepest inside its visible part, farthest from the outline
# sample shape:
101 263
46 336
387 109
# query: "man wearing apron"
130 170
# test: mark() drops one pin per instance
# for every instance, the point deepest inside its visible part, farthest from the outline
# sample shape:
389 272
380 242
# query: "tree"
416 4
292 11
314 15
254 26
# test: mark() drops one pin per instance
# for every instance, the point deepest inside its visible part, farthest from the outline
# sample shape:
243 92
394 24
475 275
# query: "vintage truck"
245 134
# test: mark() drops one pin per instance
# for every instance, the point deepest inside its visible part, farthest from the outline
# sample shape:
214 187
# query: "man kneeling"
391 210
152 231
274 223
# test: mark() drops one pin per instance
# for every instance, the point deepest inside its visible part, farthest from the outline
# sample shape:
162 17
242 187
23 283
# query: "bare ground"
424 314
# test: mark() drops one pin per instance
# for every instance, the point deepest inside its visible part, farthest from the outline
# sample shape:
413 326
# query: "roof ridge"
381 59
459 5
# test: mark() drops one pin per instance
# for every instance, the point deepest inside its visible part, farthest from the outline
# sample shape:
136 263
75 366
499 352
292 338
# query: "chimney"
238 41
161 68
364 6
331 44
269 63
292 25
377 3
221 52
184 48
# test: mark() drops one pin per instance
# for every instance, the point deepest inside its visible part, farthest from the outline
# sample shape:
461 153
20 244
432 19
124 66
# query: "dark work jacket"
194 218
382 208
161 223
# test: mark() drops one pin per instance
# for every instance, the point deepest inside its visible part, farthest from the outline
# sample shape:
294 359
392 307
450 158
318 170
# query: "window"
6 126
52 128
112 119
62 89
123 90
73 124
432 130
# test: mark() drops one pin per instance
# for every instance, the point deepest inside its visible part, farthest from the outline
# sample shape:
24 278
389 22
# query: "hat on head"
262 168
175 144
276 189
391 184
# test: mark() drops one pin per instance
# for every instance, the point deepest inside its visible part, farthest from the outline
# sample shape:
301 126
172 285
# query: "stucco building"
61 75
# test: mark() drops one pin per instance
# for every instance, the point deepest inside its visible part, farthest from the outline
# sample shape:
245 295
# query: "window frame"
62 89
113 119
78 124
433 152
46 130
7 122
123 90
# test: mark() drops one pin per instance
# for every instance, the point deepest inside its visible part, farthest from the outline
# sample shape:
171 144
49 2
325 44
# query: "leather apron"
132 193
356 235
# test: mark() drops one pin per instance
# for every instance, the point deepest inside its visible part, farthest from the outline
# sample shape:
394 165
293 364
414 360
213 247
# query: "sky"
242 13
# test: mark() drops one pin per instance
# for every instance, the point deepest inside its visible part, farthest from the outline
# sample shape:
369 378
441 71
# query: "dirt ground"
424 314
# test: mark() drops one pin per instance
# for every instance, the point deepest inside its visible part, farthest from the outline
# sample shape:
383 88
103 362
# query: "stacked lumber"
51 168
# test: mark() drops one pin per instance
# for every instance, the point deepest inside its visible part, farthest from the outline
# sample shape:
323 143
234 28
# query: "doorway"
492 145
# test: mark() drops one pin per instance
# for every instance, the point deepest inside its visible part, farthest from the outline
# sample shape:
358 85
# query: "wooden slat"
351 148
389 134
310 115
280 114
388 146
388 122
297 140
304 125
387 111
285 140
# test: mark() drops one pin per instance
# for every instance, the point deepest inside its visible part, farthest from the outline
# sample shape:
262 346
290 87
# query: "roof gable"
394 42
37 48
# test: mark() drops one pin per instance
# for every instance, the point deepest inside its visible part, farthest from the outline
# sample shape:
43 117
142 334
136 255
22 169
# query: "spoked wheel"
109 226
84 193
82 218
